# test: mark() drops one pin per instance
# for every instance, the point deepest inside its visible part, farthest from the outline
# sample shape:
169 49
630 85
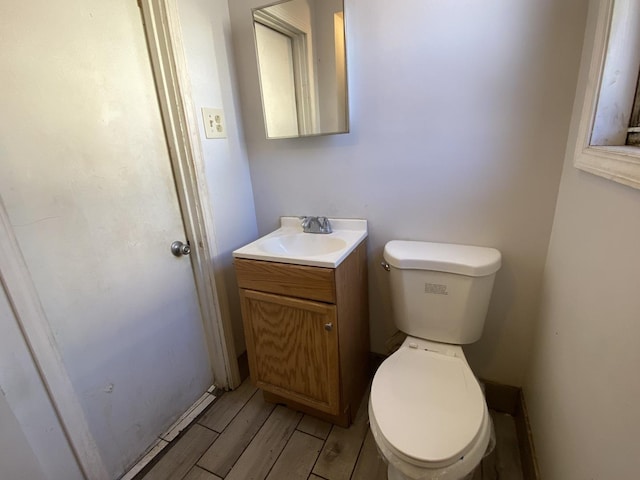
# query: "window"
604 144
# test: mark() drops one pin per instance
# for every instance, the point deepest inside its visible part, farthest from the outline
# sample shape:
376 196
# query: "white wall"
459 117
583 388
206 36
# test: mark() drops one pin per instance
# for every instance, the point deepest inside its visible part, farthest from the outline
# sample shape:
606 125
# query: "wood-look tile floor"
241 437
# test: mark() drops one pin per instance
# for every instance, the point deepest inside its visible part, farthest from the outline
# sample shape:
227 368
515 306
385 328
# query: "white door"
87 183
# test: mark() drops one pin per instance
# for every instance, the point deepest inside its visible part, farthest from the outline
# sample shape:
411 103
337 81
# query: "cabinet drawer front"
313 283
292 346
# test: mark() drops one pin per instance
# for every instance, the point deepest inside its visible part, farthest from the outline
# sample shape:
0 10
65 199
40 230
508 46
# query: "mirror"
300 47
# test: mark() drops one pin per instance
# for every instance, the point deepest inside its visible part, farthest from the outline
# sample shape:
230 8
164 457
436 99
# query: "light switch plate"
214 124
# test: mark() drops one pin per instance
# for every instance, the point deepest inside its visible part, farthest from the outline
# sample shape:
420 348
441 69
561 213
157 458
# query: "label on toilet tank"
435 289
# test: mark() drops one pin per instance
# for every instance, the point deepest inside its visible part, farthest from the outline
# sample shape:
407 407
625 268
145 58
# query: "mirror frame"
309 104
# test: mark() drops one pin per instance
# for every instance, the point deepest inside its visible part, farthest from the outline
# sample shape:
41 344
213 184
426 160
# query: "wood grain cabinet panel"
313 283
307 333
295 348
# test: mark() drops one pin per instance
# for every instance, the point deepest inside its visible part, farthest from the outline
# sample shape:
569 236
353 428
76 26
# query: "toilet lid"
428 406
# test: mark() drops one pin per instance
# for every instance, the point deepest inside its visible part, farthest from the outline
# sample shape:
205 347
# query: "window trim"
620 163
633 132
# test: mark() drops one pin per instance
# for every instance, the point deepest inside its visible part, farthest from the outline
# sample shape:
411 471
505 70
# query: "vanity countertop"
289 244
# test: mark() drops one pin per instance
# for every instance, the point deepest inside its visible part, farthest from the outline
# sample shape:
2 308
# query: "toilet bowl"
427 411
428 414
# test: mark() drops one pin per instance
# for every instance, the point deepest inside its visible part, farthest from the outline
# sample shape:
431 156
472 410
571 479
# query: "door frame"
166 51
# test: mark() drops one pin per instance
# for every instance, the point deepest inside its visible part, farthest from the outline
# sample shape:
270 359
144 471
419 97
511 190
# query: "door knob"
328 326
178 248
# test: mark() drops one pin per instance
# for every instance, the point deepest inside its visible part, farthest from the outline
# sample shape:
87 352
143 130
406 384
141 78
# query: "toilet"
427 411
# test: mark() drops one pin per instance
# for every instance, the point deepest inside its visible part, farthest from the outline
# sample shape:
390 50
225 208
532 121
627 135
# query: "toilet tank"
441 291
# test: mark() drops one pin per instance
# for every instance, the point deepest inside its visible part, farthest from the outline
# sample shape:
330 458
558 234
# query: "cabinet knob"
328 326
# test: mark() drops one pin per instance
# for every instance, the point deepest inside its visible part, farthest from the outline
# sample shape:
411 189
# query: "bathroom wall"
206 37
459 118
583 388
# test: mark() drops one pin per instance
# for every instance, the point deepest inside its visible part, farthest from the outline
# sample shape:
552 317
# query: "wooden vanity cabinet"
307 333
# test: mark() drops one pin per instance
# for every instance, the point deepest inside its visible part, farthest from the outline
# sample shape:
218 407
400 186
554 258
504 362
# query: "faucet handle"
325 224
312 224
307 224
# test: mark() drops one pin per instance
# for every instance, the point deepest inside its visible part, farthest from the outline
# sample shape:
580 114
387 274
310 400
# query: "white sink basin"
289 244
302 244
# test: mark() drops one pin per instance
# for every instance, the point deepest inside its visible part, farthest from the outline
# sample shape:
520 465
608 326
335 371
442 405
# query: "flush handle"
385 265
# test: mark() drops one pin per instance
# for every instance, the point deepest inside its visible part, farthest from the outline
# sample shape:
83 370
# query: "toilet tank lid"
442 257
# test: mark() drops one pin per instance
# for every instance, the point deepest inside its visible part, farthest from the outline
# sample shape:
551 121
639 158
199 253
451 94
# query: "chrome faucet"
316 225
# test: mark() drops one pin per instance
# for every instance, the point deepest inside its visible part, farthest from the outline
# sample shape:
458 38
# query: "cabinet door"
292 346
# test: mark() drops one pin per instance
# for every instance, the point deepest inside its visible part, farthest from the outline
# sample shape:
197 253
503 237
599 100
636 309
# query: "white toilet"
427 411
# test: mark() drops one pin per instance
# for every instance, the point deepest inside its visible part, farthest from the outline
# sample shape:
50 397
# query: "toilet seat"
428 405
